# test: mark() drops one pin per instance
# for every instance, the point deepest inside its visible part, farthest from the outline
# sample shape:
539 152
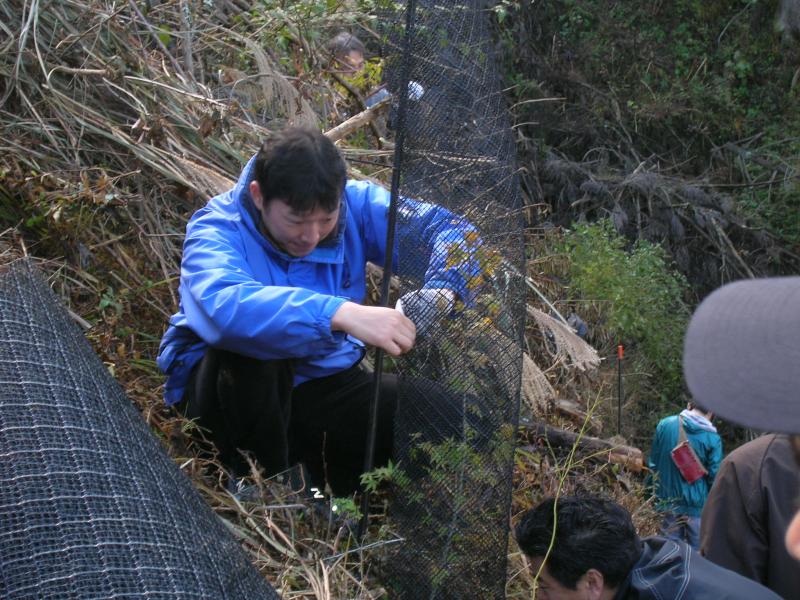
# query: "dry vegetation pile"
116 124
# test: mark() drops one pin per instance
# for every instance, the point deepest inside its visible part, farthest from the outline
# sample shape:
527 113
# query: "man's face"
295 233
549 587
352 62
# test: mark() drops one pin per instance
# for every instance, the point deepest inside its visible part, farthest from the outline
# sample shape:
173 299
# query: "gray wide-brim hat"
741 355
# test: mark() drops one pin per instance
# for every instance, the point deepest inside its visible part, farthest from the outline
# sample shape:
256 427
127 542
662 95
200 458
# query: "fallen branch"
360 100
356 121
538 433
571 410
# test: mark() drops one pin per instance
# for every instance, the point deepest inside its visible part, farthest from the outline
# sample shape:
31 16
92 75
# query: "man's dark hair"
591 533
303 168
692 404
343 43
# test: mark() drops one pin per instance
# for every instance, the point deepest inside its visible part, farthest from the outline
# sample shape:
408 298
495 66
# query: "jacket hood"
657 566
694 423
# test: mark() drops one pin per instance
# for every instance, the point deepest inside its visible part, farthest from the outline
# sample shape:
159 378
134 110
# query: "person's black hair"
591 533
693 404
343 43
303 168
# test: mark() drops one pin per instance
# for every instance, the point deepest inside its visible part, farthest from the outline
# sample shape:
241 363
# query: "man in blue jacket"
586 548
680 501
264 350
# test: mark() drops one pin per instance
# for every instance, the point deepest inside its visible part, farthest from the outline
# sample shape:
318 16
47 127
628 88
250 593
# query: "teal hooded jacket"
673 492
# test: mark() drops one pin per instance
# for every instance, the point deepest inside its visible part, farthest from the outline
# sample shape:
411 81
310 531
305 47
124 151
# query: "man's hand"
385 328
426 306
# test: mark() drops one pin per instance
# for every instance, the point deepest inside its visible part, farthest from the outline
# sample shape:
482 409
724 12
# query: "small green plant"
110 299
450 475
389 473
640 294
345 508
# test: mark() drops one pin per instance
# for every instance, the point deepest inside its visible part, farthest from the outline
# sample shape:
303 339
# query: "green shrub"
640 295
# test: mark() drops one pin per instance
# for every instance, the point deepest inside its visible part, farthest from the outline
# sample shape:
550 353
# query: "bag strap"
681 432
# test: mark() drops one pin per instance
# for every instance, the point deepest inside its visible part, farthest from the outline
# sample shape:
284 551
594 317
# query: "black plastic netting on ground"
460 386
91 506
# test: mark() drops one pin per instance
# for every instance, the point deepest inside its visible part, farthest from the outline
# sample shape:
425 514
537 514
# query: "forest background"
658 149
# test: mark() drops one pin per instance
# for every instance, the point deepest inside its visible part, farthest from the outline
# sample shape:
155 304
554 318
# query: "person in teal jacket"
681 502
264 350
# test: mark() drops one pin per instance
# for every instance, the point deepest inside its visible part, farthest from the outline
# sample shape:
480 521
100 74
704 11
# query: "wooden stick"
347 127
630 457
576 414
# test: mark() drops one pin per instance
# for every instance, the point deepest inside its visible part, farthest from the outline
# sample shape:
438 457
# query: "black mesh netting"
459 394
90 504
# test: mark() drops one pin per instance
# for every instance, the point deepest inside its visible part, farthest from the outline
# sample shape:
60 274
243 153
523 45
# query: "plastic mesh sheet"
460 386
91 506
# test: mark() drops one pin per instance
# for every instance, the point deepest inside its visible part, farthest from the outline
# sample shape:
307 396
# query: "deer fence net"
91 506
459 388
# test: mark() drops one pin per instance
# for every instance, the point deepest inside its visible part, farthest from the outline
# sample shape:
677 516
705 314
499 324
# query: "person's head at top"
594 547
297 189
742 360
693 406
346 52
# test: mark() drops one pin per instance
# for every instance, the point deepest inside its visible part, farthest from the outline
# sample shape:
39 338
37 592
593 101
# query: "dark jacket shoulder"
669 569
748 511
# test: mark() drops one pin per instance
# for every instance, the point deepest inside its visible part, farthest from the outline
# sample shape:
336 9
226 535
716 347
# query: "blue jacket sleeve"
228 308
453 263
432 244
655 449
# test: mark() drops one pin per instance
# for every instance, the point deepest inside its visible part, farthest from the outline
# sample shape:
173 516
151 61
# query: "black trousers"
249 404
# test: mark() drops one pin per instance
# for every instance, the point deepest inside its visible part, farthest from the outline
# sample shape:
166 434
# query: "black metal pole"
405 75
620 356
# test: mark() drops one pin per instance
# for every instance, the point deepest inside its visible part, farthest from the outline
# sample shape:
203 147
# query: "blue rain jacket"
673 492
240 293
